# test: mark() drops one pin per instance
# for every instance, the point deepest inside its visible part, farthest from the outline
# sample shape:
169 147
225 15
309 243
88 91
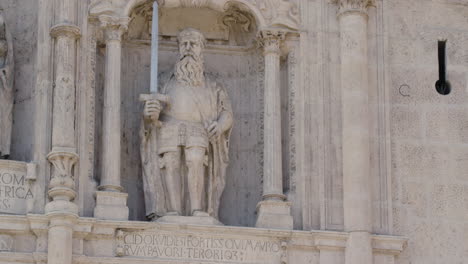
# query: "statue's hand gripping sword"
154 94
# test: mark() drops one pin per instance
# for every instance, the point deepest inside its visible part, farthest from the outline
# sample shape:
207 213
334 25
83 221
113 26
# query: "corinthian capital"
114 27
271 40
357 6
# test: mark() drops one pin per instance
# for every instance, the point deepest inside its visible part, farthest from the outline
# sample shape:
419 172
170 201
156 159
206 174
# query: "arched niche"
234 26
217 5
267 13
232 57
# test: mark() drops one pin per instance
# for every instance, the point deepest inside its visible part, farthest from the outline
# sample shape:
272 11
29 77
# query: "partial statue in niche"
6 88
185 141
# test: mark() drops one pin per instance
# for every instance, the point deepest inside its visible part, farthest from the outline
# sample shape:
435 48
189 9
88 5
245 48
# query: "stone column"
353 18
111 202
61 211
273 210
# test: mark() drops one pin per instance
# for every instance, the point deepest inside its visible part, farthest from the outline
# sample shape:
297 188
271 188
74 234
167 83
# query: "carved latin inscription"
197 247
15 187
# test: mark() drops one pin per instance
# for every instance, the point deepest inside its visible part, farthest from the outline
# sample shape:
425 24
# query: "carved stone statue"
6 88
185 141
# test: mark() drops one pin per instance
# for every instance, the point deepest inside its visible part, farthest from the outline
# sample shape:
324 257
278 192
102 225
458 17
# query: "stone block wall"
429 131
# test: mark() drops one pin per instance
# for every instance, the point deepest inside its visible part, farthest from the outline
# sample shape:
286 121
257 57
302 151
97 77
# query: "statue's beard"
189 70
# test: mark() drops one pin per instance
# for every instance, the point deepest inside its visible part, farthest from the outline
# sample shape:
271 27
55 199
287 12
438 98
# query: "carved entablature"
248 15
280 13
235 26
355 6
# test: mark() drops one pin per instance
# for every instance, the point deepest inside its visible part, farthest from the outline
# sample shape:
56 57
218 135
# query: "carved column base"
111 206
274 215
61 207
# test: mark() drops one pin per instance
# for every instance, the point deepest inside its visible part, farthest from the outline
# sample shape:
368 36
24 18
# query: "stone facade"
340 151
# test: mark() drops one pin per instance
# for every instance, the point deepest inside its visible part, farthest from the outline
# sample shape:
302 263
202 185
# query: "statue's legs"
173 180
195 157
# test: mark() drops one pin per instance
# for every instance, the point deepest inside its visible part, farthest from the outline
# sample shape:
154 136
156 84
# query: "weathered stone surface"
77 108
17 190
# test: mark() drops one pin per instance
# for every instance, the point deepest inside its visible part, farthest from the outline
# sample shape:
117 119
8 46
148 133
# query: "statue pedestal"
111 206
190 220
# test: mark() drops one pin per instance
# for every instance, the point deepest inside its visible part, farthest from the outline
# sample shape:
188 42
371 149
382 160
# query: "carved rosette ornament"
353 6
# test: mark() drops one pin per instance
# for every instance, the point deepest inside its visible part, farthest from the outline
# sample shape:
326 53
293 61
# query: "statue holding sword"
185 134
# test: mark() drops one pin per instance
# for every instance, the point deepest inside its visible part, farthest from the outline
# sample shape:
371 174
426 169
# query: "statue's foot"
200 213
173 213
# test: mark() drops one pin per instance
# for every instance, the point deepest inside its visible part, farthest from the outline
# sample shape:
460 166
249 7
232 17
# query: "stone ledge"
100 230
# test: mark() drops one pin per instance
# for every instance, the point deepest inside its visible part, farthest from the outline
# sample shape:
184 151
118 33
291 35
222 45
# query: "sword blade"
154 49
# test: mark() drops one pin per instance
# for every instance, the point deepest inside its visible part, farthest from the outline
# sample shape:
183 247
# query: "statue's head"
189 68
191 43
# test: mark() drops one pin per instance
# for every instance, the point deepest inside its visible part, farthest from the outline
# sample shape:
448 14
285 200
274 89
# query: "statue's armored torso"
186 117
185 104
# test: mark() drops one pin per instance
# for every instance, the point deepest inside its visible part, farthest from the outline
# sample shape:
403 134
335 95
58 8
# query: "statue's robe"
6 95
218 154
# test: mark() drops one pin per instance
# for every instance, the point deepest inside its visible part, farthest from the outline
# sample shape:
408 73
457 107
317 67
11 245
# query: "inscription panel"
15 187
197 247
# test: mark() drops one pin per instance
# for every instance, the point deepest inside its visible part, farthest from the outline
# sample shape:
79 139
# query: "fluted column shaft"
111 201
272 159
356 138
273 210
356 118
110 178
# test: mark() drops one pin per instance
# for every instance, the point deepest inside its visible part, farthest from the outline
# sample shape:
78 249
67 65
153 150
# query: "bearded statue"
6 88
185 139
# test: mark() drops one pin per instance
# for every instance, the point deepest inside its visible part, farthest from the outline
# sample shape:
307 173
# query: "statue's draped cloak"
6 96
218 157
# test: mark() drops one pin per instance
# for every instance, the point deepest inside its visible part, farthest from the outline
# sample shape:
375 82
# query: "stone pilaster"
63 155
111 202
353 18
61 210
273 210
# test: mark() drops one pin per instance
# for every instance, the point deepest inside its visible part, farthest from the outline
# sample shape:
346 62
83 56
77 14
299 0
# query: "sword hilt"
155 96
